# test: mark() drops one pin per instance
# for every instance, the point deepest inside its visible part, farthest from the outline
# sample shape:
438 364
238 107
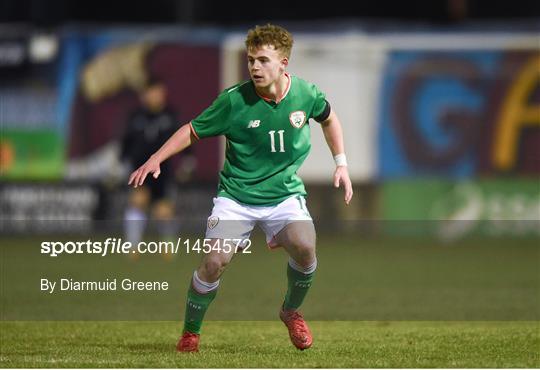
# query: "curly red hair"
272 35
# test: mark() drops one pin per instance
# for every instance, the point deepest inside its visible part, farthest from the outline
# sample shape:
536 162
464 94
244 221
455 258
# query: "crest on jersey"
298 118
213 221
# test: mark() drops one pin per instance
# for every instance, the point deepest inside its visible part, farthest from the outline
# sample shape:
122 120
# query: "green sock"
196 306
299 284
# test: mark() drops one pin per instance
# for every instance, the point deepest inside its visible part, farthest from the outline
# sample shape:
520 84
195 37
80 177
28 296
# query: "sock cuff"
304 270
202 286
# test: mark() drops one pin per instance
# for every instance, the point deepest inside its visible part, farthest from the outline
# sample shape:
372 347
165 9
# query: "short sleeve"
214 120
320 103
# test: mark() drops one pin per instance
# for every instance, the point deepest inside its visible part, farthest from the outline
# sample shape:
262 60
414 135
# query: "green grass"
265 344
376 303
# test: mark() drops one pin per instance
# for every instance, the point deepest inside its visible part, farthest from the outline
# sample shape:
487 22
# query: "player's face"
265 65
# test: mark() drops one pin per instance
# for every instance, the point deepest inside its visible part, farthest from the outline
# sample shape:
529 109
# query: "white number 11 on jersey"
273 141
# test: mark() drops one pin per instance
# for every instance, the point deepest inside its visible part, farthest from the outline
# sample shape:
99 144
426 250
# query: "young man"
264 121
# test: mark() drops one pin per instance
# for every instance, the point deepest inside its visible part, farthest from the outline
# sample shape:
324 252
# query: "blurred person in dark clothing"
147 129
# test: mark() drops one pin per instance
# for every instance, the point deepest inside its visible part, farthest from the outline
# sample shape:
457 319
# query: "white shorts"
233 220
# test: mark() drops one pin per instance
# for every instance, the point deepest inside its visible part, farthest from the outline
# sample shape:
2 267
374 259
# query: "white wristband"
340 159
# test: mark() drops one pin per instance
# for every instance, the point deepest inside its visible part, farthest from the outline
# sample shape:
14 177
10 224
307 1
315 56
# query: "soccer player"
264 121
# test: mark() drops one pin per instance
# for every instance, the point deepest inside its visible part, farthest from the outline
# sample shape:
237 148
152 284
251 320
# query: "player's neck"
277 90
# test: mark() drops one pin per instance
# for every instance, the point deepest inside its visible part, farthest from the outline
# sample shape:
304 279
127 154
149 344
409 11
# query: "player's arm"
333 133
179 141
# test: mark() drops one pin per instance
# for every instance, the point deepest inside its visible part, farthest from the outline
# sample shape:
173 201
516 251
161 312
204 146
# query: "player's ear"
285 61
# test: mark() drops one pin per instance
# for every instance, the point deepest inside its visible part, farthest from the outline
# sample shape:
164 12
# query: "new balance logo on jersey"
254 123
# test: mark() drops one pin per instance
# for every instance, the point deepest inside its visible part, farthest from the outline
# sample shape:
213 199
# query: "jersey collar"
269 100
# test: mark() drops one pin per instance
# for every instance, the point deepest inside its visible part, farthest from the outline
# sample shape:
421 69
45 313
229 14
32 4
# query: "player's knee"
139 198
163 210
304 246
213 267
304 252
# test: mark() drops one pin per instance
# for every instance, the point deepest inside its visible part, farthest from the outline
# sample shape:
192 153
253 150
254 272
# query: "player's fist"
138 176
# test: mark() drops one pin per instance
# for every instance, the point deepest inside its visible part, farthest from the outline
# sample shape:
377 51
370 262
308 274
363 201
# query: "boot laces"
298 323
189 338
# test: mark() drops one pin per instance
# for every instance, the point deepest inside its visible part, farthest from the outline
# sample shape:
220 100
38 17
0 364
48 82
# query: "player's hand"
139 175
341 177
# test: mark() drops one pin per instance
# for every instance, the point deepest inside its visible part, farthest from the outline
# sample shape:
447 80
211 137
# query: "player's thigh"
229 220
290 225
298 238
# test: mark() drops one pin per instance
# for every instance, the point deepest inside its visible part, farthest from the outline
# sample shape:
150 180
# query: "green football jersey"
266 142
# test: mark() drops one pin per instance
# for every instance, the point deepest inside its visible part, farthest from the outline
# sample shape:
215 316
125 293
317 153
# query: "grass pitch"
265 344
375 303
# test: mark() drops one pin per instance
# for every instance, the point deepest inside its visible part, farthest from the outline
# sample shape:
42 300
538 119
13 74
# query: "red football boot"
189 342
298 329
